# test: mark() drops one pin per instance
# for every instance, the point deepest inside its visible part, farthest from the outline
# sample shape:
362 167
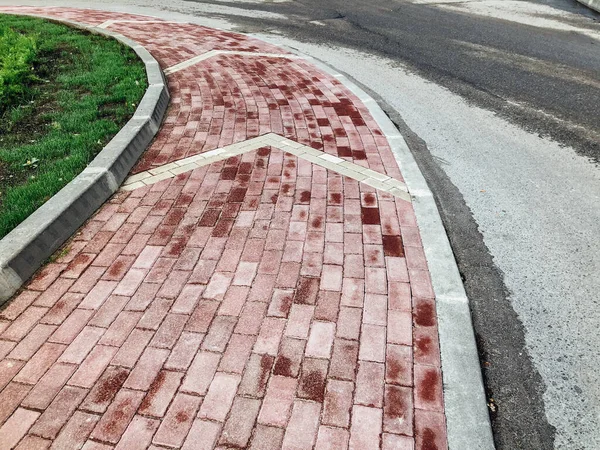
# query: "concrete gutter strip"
593 4
467 416
30 244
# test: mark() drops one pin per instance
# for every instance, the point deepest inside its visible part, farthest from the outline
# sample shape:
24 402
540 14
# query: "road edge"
467 417
31 243
592 4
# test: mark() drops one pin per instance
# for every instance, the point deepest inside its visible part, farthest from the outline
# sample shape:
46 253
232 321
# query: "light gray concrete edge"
593 4
465 403
30 244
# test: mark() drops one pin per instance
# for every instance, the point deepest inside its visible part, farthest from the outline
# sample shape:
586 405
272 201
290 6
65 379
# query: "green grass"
64 94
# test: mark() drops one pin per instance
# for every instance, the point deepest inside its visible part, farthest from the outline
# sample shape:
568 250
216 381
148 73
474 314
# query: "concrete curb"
467 416
25 248
593 4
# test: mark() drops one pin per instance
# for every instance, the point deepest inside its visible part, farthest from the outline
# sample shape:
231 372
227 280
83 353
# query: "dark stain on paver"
285 188
182 416
428 440
229 173
109 387
306 294
336 198
274 198
209 218
313 386
237 195
154 388
395 407
423 345
428 386
266 362
425 314
316 223
291 164
369 199
392 245
283 366
305 197
370 216
394 369
264 151
116 268
359 155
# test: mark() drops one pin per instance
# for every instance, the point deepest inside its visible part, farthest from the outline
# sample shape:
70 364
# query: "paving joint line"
362 174
211 53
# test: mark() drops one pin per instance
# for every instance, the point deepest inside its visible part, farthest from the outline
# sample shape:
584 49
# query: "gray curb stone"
593 4
467 417
25 248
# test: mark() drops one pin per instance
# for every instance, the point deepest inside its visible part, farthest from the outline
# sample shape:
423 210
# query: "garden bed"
64 94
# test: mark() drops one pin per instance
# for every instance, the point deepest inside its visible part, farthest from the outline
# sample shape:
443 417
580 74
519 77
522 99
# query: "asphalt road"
500 104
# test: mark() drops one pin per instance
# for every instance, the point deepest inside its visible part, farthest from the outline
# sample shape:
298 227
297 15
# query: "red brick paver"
258 302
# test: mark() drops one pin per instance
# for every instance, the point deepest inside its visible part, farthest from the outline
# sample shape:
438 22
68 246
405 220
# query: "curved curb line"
467 418
30 244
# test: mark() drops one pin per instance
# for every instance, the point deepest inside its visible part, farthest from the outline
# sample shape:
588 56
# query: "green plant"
17 53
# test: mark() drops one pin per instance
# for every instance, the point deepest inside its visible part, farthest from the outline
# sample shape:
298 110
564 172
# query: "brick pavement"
259 301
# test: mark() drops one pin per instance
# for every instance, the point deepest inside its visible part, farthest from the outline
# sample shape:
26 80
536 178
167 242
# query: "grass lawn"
64 94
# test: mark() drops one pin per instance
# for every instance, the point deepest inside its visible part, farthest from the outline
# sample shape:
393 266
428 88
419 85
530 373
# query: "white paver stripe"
362 174
196 59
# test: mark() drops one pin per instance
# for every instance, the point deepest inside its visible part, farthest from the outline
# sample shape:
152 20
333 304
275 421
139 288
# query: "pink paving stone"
330 438
102 394
372 343
81 346
16 306
375 309
25 322
348 324
217 286
201 373
72 326
138 434
40 363
331 280
396 269
320 340
10 398
343 360
98 294
6 347
428 388
202 316
312 379
78 265
369 384
398 410
9 368
169 331
44 279
48 386
237 354
338 403
219 397
155 314
16 427
288 275
173 284
281 303
108 311
202 436
266 438
354 266
239 425
245 273
147 257
51 295
399 329
426 346
289 358
293 251
353 292
187 299
262 288
130 283
62 308
399 363
365 430
117 417
88 280
254 381
298 323
133 347
278 401
420 284
399 296
396 442
76 431
302 427
27 347
219 333
270 336
184 351
58 413
334 254
147 368
251 318
93 366
328 303
430 430
234 301
144 295
375 280
119 330
176 424
30 442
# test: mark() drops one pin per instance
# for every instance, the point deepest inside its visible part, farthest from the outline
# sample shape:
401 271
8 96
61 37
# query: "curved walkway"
259 281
